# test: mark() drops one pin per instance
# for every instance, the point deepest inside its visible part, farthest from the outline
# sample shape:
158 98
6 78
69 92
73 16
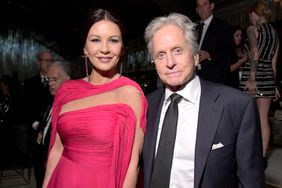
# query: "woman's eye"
95 40
114 40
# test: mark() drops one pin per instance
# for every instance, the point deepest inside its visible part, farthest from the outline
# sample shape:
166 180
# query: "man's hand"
204 55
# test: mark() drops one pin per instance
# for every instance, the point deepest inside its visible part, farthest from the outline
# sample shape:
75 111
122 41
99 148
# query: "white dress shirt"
48 123
182 171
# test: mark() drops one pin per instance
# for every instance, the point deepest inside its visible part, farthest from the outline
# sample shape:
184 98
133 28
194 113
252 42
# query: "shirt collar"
190 92
43 77
208 21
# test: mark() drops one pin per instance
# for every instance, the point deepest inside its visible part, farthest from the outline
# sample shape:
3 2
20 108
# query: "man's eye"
178 51
161 56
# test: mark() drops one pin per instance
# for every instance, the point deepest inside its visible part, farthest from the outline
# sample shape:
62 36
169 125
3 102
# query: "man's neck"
210 17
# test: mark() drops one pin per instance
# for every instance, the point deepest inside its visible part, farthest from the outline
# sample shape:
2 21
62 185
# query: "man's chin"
174 87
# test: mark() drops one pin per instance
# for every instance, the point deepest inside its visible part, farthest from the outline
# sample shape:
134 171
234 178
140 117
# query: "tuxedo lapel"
153 118
210 112
209 35
47 114
156 112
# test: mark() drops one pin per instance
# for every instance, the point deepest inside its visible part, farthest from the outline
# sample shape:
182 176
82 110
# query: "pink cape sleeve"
56 108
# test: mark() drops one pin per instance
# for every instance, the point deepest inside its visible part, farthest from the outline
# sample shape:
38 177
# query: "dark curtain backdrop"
18 54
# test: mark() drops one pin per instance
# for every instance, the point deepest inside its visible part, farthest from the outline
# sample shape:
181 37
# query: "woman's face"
238 37
103 45
254 18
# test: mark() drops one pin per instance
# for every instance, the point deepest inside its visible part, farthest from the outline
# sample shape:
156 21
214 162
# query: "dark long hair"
93 17
97 15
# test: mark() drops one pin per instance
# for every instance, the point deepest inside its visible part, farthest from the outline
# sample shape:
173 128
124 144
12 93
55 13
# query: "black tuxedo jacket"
36 98
218 41
228 116
42 124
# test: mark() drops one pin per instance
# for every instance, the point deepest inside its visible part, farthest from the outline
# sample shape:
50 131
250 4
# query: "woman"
239 56
98 122
258 79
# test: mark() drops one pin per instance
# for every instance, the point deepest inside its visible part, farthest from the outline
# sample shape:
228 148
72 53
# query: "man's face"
172 55
204 9
44 60
56 77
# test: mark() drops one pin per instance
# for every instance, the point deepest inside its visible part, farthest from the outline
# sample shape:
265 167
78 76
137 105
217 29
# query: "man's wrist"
209 56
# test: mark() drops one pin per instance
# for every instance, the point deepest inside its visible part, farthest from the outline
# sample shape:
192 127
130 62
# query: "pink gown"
97 140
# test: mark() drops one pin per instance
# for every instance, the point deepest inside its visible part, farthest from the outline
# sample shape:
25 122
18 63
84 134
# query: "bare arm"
253 58
131 177
53 159
236 65
135 101
254 55
274 63
274 59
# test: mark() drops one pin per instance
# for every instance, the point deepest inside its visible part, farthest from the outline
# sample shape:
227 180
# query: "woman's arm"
252 34
53 158
131 177
274 59
274 64
134 99
240 61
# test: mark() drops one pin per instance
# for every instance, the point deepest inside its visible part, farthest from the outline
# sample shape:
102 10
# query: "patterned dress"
265 78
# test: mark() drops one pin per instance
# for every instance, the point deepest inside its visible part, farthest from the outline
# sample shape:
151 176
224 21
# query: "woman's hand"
277 94
244 58
251 87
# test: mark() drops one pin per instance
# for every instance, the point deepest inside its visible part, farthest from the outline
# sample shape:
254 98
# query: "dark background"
58 23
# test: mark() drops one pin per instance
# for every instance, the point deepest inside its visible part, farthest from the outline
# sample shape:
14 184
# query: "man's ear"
196 59
212 6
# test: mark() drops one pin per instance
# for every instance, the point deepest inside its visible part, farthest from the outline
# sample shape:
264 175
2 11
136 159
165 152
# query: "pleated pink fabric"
97 140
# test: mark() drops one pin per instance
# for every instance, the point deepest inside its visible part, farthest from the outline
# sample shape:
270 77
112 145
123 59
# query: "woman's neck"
98 78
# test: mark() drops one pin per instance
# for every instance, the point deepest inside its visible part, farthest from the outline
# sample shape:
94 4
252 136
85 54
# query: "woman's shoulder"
69 86
130 90
129 83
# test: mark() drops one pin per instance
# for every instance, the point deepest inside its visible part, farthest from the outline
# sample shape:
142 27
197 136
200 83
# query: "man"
36 93
217 140
58 73
36 99
216 44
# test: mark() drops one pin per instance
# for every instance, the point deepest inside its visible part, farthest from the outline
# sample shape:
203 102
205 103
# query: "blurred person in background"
258 77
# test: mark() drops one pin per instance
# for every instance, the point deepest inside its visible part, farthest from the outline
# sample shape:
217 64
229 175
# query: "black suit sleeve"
249 149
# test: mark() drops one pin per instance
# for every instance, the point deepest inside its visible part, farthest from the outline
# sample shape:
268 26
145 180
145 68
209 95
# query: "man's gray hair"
64 65
180 20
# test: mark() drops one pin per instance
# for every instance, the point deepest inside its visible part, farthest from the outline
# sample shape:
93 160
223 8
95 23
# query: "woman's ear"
85 52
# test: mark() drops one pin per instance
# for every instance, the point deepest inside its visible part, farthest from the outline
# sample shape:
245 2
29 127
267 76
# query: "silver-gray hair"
180 20
64 65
